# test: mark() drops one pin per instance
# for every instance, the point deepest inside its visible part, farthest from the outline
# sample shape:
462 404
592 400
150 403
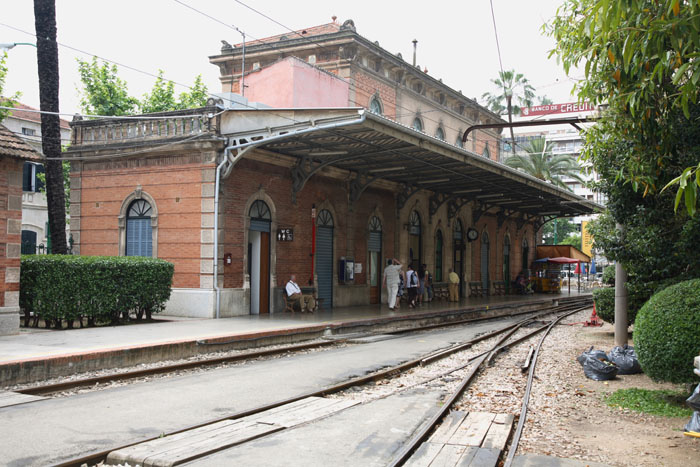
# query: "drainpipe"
224 162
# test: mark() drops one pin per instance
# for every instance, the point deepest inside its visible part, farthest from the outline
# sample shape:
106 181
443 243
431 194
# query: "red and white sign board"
554 109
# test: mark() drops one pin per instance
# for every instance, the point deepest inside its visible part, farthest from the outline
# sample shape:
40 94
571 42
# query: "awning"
376 148
560 260
562 251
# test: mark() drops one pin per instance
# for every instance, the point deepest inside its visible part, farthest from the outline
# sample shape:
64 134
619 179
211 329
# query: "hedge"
667 333
59 288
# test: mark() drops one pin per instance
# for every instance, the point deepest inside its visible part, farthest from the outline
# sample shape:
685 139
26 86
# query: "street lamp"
12 45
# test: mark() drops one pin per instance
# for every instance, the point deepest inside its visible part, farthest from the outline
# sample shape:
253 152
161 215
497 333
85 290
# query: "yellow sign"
586 239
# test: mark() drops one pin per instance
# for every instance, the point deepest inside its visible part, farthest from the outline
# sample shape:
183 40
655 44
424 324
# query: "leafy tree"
5 102
47 59
564 229
104 93
641 57
162 96
573 240
541 163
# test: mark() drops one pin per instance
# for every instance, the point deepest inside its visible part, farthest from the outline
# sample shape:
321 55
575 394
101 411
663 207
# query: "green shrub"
609 275
667 332
99 288
605 303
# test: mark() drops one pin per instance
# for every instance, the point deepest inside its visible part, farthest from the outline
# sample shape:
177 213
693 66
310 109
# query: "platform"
37 354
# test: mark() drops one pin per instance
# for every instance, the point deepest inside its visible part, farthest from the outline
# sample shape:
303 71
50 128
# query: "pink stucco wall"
293 83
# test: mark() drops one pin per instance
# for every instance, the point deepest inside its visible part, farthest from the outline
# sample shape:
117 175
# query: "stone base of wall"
201 303
9 320
351 295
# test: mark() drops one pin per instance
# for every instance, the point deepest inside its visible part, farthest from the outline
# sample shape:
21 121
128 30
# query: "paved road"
55 430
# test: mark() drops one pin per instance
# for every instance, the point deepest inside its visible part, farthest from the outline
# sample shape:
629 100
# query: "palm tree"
541 163
513 85
47 59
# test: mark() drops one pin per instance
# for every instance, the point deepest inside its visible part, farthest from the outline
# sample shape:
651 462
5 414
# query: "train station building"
325 184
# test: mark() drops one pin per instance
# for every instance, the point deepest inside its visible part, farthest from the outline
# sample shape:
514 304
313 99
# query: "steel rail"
101 456
423 434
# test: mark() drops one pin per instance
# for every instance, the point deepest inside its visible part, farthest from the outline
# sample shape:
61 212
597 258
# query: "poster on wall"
586 238
358 268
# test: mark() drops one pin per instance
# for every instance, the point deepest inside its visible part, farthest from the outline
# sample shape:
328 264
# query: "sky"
456 40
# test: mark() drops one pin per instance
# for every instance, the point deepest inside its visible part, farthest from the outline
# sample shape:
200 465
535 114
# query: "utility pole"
47 59
621 336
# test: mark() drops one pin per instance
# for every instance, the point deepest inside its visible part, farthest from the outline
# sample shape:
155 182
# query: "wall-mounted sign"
553 109
285 235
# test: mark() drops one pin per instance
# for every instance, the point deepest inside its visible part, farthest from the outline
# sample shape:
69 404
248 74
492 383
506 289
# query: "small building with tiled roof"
13 154
25 122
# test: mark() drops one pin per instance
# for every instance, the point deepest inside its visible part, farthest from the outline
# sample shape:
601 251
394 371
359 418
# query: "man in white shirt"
391 281
306 302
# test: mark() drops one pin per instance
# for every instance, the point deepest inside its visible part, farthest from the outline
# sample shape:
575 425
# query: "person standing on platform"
412 283
306 302
421 283
392 274
453 286
428 283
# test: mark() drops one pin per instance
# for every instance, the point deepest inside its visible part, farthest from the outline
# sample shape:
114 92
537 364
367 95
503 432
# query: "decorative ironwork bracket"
407 191
358 185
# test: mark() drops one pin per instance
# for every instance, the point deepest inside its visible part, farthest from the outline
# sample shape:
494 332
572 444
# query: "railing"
116 130
40 249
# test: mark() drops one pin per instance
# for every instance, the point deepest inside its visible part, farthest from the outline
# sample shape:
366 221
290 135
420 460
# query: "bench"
289 304
499 288
476 288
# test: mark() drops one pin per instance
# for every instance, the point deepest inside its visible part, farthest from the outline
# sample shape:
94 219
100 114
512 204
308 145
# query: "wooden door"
373 277
264 272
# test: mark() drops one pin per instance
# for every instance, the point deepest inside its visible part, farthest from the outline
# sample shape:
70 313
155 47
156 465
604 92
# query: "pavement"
37 354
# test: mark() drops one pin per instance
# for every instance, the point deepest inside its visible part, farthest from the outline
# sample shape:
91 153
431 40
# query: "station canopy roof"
377 148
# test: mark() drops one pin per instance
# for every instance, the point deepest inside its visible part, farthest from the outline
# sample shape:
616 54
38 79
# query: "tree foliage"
541 163
5 102
513 84
104 93
641 57
564 228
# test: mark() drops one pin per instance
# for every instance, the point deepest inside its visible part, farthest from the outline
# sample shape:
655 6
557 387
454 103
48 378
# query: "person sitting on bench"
305 302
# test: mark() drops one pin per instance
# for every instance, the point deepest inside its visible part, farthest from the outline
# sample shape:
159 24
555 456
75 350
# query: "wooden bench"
499 288
476 288
289 304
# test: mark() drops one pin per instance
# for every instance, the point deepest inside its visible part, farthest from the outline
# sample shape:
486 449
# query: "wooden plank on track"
473 429
283 408
448 427
175 449
448 456
310 412
8 398
424 455
480 457
499 431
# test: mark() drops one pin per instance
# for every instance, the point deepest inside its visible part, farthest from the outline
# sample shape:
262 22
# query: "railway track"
501 335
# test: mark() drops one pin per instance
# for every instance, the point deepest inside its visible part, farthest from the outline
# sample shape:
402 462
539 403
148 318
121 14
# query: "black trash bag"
596 365
694 400
626 360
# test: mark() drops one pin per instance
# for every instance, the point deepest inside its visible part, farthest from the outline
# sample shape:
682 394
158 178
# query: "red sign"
552 109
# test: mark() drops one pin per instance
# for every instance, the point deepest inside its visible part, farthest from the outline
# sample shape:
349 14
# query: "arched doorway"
506 262
259 257
485 260
526 253
324 256
139 233
374 247
415 240
458 253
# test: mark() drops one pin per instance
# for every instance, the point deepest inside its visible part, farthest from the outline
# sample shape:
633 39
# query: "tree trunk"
510 120
47 59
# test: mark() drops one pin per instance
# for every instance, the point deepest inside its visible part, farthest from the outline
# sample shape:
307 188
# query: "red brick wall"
10 229
251 177
177 190
366 86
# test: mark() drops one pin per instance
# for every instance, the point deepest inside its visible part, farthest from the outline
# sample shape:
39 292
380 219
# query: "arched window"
487 154
417 124
438 256
459 142
375 106
485 260
139 234
259 210
325 218
415 243
440 134
526 252
506 262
